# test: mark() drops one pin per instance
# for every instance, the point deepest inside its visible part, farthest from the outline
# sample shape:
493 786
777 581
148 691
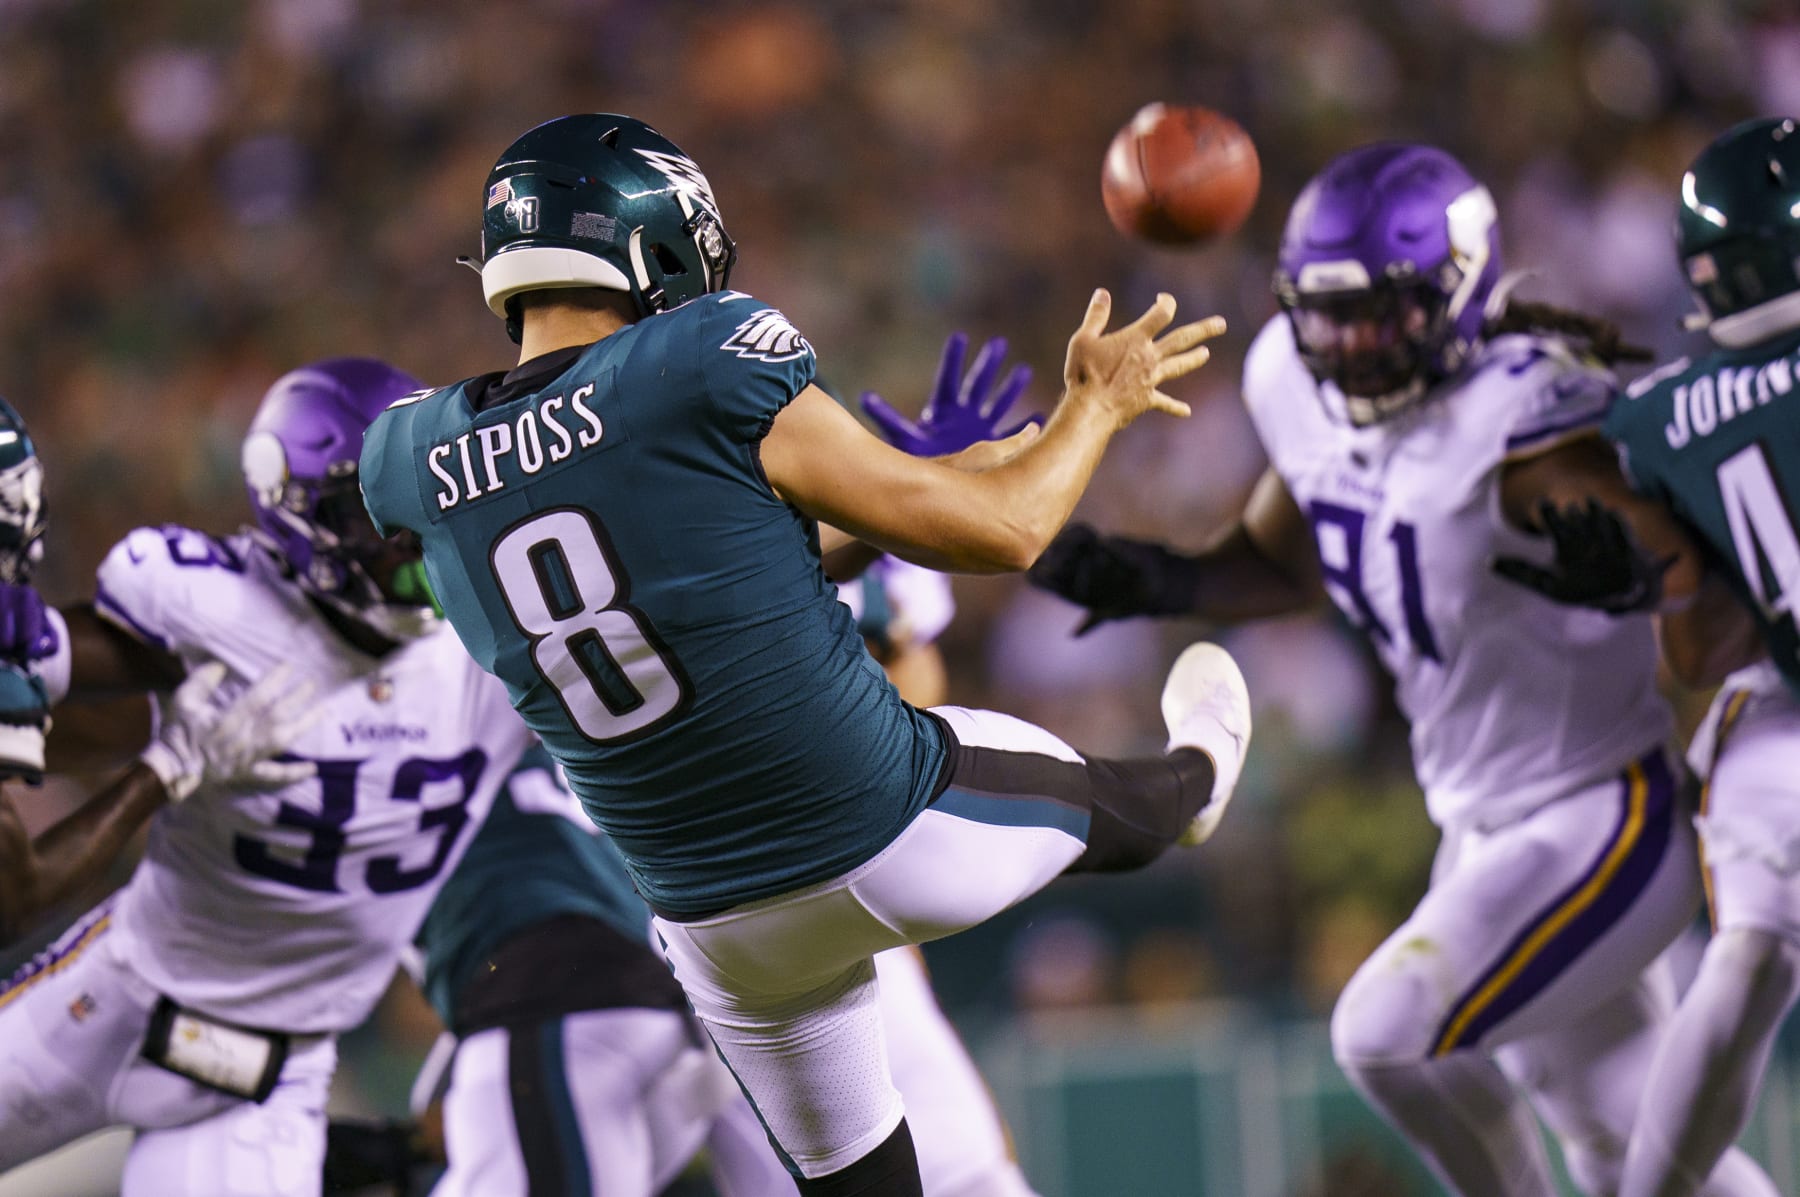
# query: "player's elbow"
1011 546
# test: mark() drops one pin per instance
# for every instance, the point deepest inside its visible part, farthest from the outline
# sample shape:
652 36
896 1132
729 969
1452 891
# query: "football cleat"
1206 705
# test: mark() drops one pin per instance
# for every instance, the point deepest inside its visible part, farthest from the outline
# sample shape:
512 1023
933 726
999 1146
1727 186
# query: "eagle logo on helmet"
684 175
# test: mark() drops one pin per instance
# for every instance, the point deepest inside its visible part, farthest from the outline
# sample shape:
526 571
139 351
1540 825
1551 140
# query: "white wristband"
178 779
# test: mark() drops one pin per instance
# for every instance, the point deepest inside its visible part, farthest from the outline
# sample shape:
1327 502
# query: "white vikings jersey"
1513 699
289 909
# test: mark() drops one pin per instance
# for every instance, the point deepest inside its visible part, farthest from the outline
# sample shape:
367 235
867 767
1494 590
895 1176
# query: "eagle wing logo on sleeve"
767 336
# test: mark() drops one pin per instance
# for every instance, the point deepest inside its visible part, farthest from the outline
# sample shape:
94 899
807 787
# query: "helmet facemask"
320 529
1379 344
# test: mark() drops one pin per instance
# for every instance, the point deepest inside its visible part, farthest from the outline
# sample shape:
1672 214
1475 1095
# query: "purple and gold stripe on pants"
57 957
1580 915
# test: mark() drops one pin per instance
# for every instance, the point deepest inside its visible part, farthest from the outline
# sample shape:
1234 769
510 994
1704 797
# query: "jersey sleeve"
1559 397
160 585
385 473
753 360
1635 429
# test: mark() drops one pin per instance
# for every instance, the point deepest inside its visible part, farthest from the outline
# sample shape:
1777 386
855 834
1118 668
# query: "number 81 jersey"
1717 441
288 909
1513 699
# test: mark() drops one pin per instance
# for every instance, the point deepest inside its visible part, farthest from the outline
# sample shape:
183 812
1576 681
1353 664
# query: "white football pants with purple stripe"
72 1025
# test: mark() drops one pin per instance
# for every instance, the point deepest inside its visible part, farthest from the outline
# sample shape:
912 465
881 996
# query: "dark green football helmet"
601 200
1738 231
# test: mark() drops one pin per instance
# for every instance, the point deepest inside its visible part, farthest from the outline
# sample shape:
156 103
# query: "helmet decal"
684 176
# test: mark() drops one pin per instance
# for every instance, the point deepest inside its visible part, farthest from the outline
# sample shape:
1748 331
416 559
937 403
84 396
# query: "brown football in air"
1180 175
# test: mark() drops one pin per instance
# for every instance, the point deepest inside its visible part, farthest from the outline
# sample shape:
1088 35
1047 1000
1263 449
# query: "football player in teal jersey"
1715 439
624 529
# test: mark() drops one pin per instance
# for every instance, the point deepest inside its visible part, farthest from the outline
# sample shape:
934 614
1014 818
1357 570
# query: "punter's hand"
963 410
1597 563
1123 371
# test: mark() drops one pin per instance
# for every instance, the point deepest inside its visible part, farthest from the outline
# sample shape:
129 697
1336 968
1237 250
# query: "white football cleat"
1205 705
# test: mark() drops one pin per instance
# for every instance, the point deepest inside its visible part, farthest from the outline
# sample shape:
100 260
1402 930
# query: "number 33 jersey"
1513 699
289 909
1717 441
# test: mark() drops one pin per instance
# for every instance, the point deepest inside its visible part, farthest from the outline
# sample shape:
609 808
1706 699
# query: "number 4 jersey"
1717 441
288 910
598 528
1514 700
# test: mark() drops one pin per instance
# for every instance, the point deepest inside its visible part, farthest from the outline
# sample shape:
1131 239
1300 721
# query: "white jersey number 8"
614 676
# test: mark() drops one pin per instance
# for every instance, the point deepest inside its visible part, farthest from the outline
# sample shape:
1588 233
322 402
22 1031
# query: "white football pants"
787 986
72 1025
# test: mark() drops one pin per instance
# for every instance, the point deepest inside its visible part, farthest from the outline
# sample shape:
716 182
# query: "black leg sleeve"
891 1170
1141 807
1136 808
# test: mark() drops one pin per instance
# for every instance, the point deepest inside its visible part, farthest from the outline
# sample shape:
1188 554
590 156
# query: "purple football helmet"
300 466
1387 262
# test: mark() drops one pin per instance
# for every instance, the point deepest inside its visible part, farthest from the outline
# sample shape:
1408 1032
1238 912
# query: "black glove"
1598 562
359 1155
1114 576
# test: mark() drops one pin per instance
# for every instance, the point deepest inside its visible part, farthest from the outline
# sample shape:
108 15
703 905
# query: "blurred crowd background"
196 195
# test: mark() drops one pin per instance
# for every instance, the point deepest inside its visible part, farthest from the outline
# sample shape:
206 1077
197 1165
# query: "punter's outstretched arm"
820 459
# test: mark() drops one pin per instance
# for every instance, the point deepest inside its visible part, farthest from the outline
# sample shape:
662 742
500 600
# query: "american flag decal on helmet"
500 192
767 337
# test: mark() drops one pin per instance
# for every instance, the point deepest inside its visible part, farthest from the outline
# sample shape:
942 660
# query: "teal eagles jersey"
597 526
1718 441
540 851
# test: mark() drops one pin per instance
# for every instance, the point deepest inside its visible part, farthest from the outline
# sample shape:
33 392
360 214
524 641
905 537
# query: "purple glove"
26 633
961 411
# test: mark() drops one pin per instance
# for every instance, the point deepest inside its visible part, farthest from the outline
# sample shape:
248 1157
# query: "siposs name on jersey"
1700 405
467 467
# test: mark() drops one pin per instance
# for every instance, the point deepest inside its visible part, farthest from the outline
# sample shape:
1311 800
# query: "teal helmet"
600 200
22 520
1737 231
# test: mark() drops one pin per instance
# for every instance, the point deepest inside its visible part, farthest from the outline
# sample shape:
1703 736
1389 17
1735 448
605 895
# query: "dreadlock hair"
1601 338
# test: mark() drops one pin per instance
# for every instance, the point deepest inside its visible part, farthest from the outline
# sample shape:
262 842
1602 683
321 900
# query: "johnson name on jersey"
1513 699
656 610
288 909
1718 440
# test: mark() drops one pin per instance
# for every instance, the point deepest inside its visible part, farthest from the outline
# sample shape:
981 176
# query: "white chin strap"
1765 320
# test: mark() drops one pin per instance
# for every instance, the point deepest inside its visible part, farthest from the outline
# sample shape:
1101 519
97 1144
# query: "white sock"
1708 1069
1465 1120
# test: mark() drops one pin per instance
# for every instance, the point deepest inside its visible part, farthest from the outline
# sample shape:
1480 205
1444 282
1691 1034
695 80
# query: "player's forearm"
1025 500
1709 637
1234 579
76 851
